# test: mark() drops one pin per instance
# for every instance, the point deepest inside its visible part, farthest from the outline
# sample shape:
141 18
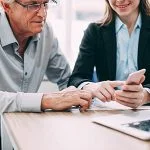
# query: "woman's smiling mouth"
123 6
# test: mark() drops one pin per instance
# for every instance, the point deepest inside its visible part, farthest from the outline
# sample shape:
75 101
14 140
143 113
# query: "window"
69 20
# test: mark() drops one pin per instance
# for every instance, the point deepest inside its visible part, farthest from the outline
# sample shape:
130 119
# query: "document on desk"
112 105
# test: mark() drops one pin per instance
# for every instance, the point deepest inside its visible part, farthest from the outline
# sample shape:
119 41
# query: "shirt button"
26 73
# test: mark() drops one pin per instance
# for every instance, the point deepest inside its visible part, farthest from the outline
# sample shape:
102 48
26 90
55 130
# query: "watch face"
141 125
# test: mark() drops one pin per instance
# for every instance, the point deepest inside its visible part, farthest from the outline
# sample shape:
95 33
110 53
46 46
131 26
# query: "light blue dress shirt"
21 77
127 48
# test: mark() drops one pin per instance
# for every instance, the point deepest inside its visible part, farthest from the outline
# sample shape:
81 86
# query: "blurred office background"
69 19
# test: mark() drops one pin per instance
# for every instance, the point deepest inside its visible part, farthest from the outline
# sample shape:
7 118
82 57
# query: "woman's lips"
122 6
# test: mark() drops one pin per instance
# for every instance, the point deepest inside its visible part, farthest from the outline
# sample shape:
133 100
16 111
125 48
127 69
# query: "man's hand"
132 95
66 99
103 90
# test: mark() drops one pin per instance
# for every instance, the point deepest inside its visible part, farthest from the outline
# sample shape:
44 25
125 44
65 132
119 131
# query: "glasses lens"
34 7
46 5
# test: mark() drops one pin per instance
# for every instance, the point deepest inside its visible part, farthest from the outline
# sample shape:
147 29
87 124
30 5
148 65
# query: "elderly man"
28 50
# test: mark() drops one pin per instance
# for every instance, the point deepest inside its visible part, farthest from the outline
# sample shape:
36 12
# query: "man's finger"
83 104
85 95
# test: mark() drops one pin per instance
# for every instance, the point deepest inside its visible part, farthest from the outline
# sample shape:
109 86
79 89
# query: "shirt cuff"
30 102
147 89
83 84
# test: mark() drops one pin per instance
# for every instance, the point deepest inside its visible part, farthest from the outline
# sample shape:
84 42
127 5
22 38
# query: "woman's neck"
130 21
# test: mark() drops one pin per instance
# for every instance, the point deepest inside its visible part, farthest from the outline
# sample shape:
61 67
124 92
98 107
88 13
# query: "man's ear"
6 6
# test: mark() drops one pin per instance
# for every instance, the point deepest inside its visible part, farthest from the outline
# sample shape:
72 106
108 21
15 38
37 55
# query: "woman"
116 46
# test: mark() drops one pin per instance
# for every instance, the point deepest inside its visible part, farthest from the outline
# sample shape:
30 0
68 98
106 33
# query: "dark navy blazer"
98 49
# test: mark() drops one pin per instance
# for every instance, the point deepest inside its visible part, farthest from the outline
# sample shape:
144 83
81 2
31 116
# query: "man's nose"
42 11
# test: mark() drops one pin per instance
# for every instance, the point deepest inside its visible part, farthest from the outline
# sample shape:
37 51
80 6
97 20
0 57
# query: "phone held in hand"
136 77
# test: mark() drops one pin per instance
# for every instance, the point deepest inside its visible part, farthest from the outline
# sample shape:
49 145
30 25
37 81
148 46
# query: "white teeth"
123 6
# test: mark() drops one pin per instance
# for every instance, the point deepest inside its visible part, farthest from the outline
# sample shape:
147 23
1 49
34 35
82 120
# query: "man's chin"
38 30
38 27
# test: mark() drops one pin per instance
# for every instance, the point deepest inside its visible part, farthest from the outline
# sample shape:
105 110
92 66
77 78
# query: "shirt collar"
120 24
6 35
36 37
138 22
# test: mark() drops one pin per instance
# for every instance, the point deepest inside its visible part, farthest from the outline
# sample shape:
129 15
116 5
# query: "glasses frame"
38 4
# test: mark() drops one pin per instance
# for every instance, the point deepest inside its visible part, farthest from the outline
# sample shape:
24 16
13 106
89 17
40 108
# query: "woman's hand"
103 90
132 95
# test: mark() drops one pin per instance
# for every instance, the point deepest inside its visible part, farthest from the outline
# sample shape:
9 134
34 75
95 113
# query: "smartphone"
136 77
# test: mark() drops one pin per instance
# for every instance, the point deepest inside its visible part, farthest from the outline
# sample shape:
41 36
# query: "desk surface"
67 131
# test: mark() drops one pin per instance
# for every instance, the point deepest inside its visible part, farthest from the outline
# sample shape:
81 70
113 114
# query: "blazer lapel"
143 40
109 38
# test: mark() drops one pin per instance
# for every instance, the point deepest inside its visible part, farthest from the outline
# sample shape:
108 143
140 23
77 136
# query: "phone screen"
141 125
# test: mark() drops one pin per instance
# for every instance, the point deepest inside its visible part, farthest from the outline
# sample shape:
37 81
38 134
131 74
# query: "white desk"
64 131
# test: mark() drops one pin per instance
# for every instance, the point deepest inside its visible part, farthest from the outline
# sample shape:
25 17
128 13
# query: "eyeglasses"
36 7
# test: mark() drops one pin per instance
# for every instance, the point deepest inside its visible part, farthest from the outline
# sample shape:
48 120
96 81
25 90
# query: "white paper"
112 105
